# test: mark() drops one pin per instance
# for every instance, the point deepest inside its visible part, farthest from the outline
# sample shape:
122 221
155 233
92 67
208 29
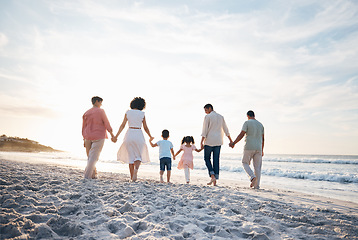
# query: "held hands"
201 146
199 150
232 144
113 137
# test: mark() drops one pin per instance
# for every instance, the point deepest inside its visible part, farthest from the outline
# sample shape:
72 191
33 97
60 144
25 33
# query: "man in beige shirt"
214 128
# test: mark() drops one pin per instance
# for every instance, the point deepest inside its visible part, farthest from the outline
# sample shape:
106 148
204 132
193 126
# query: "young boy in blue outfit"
165 148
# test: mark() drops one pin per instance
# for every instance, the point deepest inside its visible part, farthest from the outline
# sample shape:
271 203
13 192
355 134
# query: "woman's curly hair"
137 103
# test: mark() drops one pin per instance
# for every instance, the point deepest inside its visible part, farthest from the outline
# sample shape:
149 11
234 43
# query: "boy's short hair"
95 99
165 133
251 113
207 106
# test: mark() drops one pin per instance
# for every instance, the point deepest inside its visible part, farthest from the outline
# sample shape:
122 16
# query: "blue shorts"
165 161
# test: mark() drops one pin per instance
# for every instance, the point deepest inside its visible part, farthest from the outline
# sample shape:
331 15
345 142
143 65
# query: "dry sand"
40 201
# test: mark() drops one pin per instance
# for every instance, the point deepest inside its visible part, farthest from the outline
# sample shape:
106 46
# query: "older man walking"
94 130
214 128
253 149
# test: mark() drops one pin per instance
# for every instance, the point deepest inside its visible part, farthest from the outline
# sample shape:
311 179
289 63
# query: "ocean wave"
320 161
329 177
222 168
315 159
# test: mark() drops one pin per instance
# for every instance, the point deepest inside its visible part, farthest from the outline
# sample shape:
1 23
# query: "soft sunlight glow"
293 63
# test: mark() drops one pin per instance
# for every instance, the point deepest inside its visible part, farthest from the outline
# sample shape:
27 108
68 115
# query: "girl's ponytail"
188 139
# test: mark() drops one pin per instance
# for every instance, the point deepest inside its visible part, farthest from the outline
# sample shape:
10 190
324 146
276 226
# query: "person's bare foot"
94 174
161 179
134 178
214 183
253 181
212 180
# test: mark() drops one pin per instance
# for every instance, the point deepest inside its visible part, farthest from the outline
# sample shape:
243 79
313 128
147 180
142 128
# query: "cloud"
3 40
28 111
25 106
9 77
329 16
289 61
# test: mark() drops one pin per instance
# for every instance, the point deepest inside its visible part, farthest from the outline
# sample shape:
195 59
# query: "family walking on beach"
134 150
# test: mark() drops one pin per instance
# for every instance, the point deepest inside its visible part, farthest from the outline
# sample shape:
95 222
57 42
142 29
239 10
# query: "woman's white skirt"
133 147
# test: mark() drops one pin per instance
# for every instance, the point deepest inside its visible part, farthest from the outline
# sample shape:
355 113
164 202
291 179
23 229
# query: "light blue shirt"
164 148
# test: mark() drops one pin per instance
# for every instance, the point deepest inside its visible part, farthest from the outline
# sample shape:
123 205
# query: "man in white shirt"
253 149
214 128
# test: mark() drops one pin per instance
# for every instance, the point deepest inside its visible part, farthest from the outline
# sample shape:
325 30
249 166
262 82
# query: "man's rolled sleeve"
106 122
205 127
225 128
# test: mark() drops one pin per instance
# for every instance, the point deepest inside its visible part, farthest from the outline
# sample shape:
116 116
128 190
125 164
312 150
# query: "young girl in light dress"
186 160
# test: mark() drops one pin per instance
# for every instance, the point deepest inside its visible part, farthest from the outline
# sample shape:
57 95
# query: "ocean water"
333 176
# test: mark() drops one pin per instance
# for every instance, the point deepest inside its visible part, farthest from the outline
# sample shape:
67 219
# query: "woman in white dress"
133 150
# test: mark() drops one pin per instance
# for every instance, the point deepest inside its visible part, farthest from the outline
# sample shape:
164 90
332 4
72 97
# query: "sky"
294 63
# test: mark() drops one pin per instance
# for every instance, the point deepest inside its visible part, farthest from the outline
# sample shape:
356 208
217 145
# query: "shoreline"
177 176
51 201
344 206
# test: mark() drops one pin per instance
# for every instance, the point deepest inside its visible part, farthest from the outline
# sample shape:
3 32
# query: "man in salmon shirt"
94 127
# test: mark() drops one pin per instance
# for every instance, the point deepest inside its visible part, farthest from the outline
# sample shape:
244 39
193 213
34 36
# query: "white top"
214 128
254 131
164 148
135 118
